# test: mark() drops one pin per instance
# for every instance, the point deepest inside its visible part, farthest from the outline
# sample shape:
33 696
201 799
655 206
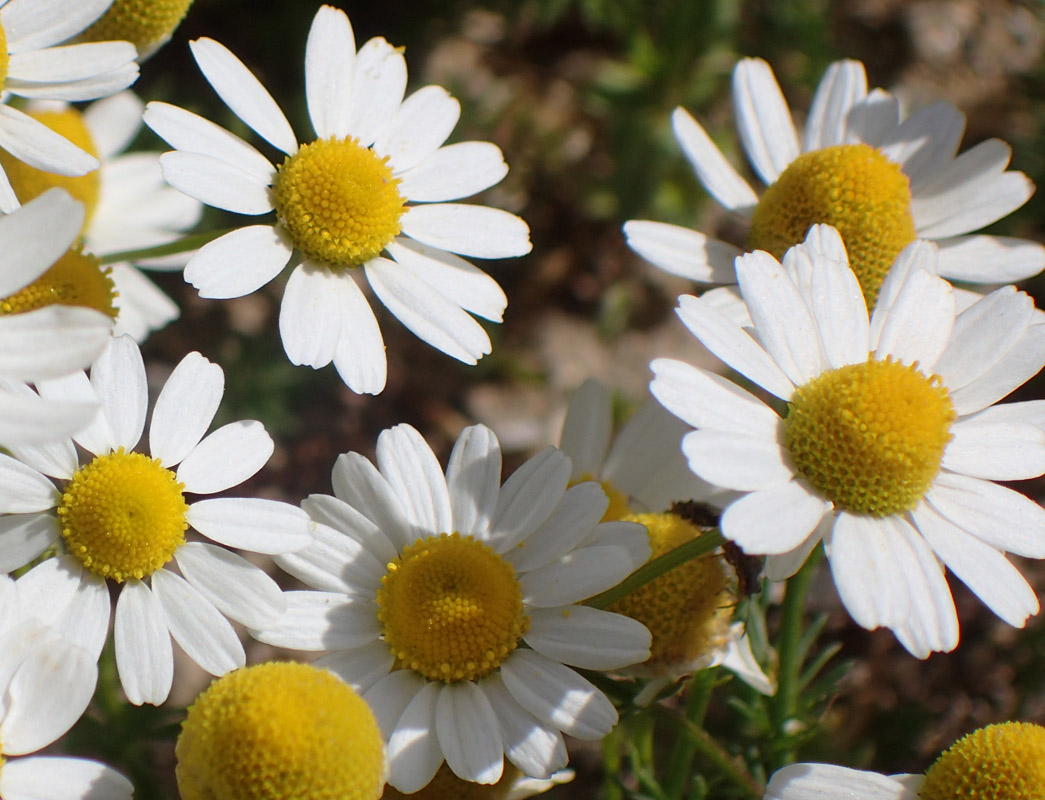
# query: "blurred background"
578 94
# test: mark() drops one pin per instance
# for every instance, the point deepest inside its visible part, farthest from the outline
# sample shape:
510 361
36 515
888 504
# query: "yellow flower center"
123 515
447 786
687 609
338 201
451 608
998 762
853 187
30 182
146 24
618 507
280 731
870 436
75 279
5 57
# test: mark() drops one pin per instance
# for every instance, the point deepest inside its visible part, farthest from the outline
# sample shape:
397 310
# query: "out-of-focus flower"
147 24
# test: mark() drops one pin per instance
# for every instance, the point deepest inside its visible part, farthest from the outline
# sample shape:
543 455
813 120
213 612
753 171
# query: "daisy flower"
881 181
129 205
34 65
374 181
147 24
46 683
122 516
41 341
427 586
890 444
1002 760
688 610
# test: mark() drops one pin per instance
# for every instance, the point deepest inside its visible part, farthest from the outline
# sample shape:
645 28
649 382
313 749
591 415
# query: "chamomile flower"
46 683
427 586
129 205
880 181
122 515
996 762
41 341
147 24
890 444
34 65
644 472
366 197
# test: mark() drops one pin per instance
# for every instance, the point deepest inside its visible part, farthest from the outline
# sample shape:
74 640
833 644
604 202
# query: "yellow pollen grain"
76 279
123 515
687 609
146 24
279 731
853 187
998 762
339 201
451 608
30 182
870 436
447 786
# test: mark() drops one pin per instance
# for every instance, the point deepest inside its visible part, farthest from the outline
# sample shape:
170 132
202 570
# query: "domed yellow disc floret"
280 732
451 608
998 762
30 182
5 57
447 786
123 515
687 610
853 187
75 279
339 201
870 436
146 24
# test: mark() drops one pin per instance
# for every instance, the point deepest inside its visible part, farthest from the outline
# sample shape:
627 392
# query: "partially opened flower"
881 181
122 515
35 65
367 196
427 586
890 444
46 682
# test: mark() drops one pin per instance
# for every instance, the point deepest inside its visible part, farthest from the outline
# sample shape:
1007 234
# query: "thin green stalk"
677 777
651 570
183 245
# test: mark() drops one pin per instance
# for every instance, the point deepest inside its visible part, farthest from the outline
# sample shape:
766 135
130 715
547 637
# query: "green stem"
652 570
677 777
784 704
183 245
702 743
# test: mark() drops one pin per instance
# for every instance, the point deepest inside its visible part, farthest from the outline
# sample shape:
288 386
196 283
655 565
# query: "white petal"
473 479
362 486
452 172
535 748
329 60
35 236
346 521
66 63
1011 370
713 170
237 588
196 625
763 119
783 566
587 429
310 315
360 355
574 519
557 695
29 25
216 182
40 147
413 749
252 523
528 497
737 461
1000 451
144 655
468 733
23 489
468 230
114 122
926 140
843 86
185 408
840 312
389 696
918 325
872 120
588 638
23 537
239 262
932 624
323 621
226 458
118 378
378 83
406 460
241 92
334 562
57 778
807 781
420 126
576 576
69 337
30 424
774 520
990 259
682 251
361 667
868 568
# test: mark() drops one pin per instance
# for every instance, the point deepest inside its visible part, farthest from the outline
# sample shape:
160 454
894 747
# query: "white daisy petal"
414 754
216 182
843 86
70 336
240 262
806 781
141 305
452 172
389 696
763 119
334 562
925 140
774 520
348 522
997 451
872 120
23 489
682 251
360 355
713 170
932 624
361 667
101 85
144 656
310 315
468 733
840 312
29 25
329 61
406 460
587 429
529 497
737 461
962 258
378 84
587 638
473 477
454 278
40 147
185 408
27 420
419 127
535 748
783 566
66 63
362 486
251 523
118 378
58 778
226 458
114 122
37 235
322 621
1014 368
581 509
196 625
557 695
468 230
241 92
56 458
575 577
918 326
23 537
234 586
